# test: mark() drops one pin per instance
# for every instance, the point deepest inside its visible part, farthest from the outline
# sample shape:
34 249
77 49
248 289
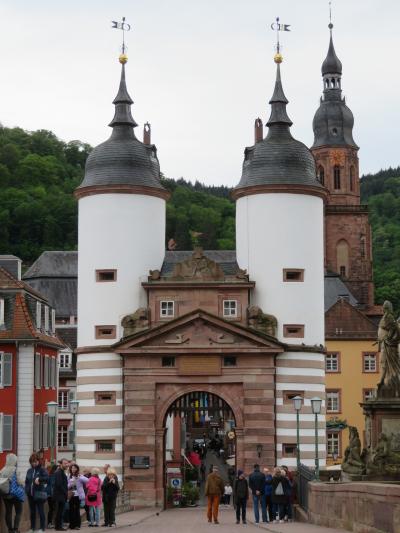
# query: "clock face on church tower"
337 157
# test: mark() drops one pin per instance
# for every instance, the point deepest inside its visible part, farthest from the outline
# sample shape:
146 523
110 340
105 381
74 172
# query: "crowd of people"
66 490
272 493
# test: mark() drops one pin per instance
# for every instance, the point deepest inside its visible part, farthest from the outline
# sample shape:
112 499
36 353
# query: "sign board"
139 461
176 483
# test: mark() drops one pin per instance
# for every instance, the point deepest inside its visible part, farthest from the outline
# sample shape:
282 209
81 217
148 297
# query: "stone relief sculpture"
135 322
261 321
198 267
388 340
384 460
352 462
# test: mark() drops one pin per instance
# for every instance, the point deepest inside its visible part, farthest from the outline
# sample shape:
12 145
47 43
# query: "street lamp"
73 407
52 410
297 403
316 409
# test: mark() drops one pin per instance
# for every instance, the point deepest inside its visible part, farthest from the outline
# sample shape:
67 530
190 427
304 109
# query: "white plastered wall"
125 232
277 231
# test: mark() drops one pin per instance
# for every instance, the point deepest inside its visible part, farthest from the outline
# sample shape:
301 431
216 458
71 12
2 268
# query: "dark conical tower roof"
279 160
333 122
332 64
122 162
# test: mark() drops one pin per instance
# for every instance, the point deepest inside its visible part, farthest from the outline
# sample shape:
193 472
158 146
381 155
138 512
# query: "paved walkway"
193 520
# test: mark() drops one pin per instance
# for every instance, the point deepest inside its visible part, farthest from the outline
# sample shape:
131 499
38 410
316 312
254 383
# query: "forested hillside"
38 174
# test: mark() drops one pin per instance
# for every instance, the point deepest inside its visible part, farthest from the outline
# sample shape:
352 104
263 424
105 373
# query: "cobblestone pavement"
195 521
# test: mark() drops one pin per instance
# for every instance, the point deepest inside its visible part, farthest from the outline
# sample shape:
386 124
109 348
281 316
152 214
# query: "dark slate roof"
55 275
225 258
279 159
54 264
332 64
335 290
68 335
333 122
122 159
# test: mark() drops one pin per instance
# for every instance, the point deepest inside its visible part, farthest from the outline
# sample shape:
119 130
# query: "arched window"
352 174
321 175
362 245
336 177
342 258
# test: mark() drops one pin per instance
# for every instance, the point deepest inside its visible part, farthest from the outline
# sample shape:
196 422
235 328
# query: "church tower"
121 236
347 230
280 242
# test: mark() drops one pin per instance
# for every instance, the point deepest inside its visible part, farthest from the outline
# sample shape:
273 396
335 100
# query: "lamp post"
73 407
316 409
52 410
297 403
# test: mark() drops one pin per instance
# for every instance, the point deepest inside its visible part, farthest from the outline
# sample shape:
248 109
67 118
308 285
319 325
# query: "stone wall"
362 507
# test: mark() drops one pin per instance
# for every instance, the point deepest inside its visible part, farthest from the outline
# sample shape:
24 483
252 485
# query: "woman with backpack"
93 498
36 490
279 491
12 492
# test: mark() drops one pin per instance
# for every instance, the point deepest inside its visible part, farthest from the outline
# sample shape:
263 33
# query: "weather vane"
277 26
124 26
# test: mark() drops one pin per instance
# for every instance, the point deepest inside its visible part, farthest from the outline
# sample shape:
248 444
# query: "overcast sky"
200 71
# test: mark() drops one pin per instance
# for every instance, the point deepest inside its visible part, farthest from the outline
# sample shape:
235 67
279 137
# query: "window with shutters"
5 369
62 436
46 372
45 428
6 432
36 432
63 399
1 312
46 318
38 371
53 320
38 315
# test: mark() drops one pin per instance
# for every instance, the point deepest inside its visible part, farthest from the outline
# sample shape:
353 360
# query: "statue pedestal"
382 416
382 436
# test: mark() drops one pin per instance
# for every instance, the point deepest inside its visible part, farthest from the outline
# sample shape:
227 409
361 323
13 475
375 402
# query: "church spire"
123 101
278 101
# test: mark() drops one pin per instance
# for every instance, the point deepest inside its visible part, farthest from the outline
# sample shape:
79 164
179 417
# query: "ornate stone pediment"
197 268
199 330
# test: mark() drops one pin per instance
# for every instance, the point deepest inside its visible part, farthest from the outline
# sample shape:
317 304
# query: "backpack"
4 486
92 494
279 489
16 490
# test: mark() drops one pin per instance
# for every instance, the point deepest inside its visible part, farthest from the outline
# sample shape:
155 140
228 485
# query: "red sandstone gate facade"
197 364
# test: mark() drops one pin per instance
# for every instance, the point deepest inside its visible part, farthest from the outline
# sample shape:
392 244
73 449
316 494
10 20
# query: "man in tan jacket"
214 490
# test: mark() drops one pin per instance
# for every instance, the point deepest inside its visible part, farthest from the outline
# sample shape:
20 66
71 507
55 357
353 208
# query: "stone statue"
261 321
352 462
388 340
135 322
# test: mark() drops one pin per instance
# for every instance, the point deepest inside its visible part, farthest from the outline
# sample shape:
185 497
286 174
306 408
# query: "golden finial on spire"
278 57
124 26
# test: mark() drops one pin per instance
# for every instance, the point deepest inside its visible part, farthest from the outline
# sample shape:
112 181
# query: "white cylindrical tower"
279 228
279 240
121 236
121 231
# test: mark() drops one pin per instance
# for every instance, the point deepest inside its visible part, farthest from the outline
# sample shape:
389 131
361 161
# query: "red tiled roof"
7 281
345 321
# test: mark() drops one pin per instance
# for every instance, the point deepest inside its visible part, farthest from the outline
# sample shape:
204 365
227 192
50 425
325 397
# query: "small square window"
293 330
168 361
105 332
230 308
167 308
289 450
293 274
105 446
106 275
229 360
370 363
105 397
288 396
332 362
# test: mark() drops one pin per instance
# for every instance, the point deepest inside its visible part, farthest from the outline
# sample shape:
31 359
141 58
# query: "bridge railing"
305 475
